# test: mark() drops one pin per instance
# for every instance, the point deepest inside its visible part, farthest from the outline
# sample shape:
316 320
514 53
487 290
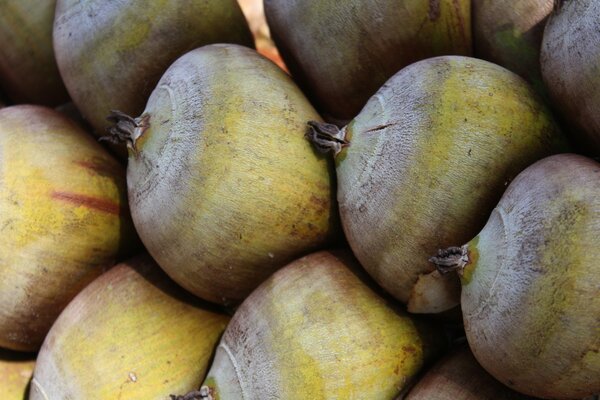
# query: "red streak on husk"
88 201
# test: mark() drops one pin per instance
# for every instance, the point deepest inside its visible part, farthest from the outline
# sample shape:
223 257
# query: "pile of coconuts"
285 199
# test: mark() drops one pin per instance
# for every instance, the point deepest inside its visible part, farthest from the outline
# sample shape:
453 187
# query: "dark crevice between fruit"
451 259
326 137
126 129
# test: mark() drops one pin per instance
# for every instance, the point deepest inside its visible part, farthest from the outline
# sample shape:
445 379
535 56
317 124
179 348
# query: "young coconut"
341 52
64 216
414 167
219 153
15 373
28 71
131 334
569 61
531 281
510 34
459 376
111 54
314 329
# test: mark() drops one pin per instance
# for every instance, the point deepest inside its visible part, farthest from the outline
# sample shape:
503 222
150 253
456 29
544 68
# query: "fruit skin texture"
314 327
131 334
459 376
570 68
111 54
531 291
64 219
225 164
510 35
15 373
417 174
28 71
341 52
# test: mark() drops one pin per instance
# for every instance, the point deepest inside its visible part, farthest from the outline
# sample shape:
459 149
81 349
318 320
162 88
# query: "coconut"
315 329
219 153
531 281
63 212
131 334
111 54
15 373
341 52
510 35
569 61
426 161
28 71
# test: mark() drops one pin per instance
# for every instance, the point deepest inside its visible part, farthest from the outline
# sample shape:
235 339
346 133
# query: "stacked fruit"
401 217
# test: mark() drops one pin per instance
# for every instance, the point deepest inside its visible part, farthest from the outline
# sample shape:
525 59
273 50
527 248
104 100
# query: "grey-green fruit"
341 52
531 281
428 159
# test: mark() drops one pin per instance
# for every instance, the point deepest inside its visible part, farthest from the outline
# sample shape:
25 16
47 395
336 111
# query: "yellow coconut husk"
64 215
531 281
341 52
28 70
111 54
220 154
131 334
16 370
315 329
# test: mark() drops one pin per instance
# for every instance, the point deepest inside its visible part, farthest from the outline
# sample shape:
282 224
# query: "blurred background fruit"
64 218
15 373
131 334
28 71
341 52
112 54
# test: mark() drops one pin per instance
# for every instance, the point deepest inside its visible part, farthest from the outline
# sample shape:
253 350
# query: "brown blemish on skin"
434 10
88 201
99 168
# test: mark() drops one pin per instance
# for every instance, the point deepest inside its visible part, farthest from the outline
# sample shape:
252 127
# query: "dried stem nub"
202 394
451 259
125 129
326 137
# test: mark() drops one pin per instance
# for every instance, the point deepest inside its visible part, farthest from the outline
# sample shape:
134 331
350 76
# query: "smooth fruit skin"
570 66
341 52
131 334
64 219
315 329
510 34
429 158
459 376
28 70
111 54
531 292
15 373
225 164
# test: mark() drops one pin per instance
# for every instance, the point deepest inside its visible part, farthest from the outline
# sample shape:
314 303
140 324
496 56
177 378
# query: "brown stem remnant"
326 137
451 259
202 394
125 129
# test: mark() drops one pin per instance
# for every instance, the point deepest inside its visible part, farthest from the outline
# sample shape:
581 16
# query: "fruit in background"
28 71
219 153
255 14
15 373
64 219
131 334
570 67
531 281
510 35
459 376
111 54
314 329
428 159
341 52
